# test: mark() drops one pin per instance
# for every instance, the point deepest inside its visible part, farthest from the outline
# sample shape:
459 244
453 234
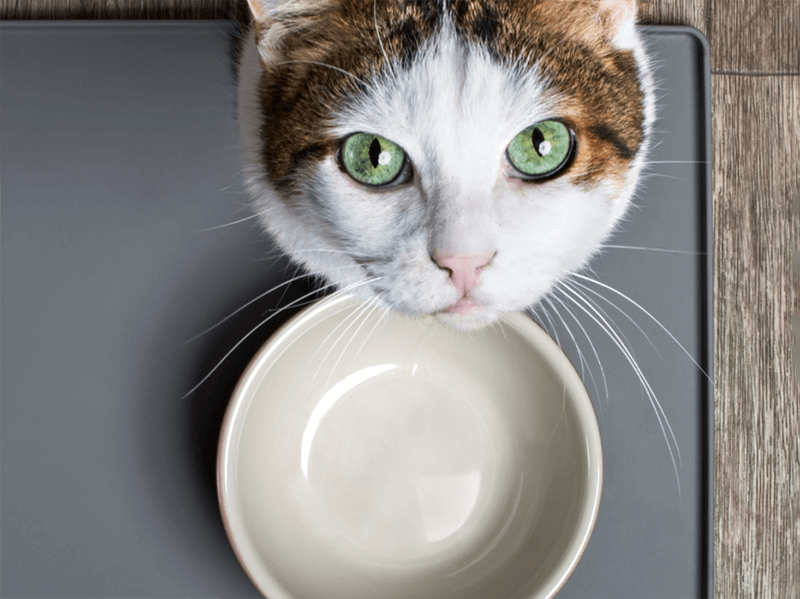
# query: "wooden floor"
755 65
755 62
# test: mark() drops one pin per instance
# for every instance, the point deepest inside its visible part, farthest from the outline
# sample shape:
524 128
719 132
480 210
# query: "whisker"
236 222
253 330
499 323
611 321
332 251
600 321
386 310
563 378
239 309
594 350
318 276
268 210
324 341
286 287
551 330
354 316
678 162
646 174
615 306
322 64
608 327
569 332
653 318
633 247
341 323
362 315
661 417
275 256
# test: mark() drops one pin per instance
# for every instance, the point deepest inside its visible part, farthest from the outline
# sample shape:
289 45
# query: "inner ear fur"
273 19
258 9
596 21
616 16
267 11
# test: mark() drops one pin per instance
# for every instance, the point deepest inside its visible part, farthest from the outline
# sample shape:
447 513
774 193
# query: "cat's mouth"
465 305
467 314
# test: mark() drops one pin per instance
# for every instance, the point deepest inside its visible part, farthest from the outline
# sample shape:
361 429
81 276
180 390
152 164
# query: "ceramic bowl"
367 454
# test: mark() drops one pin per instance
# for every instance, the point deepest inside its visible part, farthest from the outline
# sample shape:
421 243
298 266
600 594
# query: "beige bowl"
368 456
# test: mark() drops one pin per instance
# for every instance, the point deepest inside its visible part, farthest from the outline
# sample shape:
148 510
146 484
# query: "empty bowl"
370 455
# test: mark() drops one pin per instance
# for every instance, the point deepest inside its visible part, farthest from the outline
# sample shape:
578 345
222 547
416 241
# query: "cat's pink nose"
464 270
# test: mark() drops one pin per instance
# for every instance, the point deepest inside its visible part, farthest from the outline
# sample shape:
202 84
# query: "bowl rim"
268 584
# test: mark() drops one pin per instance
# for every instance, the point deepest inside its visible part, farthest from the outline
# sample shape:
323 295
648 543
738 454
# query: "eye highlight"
542 150
373 160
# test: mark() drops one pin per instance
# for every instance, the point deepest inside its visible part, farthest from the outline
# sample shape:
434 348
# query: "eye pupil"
374 152
373 160
537 138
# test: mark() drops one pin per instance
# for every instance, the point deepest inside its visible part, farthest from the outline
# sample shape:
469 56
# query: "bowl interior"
369 455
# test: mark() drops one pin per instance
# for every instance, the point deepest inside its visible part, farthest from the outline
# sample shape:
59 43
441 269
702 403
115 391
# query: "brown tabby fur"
568 41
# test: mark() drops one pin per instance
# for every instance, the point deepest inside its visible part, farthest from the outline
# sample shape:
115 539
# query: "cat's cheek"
514 287
343 178
517 198
508 181
367 204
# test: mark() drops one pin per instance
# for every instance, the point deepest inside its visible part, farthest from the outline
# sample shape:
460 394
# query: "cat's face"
454 157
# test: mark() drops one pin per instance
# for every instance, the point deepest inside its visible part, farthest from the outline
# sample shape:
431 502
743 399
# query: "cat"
456 158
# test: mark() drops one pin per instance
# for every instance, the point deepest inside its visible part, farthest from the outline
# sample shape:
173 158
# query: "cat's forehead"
454 110
332 57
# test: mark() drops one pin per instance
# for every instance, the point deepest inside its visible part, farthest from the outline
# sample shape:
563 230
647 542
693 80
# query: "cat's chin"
469 321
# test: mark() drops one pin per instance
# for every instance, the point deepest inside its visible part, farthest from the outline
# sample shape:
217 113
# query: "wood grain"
756 36
693 13
756 152
114 9
756 128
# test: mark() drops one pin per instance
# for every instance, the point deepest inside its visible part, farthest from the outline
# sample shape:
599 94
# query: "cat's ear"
617 19
273 19
597 22
258 8
265 11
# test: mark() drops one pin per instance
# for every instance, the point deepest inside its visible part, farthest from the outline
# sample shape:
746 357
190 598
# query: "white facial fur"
454 112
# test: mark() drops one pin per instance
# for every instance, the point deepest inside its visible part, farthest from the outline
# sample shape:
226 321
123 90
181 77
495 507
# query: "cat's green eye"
541 150
371 159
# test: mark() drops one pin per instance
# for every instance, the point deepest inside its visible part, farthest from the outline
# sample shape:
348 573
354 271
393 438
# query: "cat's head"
455 157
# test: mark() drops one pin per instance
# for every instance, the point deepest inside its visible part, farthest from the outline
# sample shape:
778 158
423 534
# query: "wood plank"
755 36
674 12
115 9
757 497
663 12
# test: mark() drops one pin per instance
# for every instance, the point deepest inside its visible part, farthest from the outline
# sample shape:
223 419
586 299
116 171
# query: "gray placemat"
119 166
